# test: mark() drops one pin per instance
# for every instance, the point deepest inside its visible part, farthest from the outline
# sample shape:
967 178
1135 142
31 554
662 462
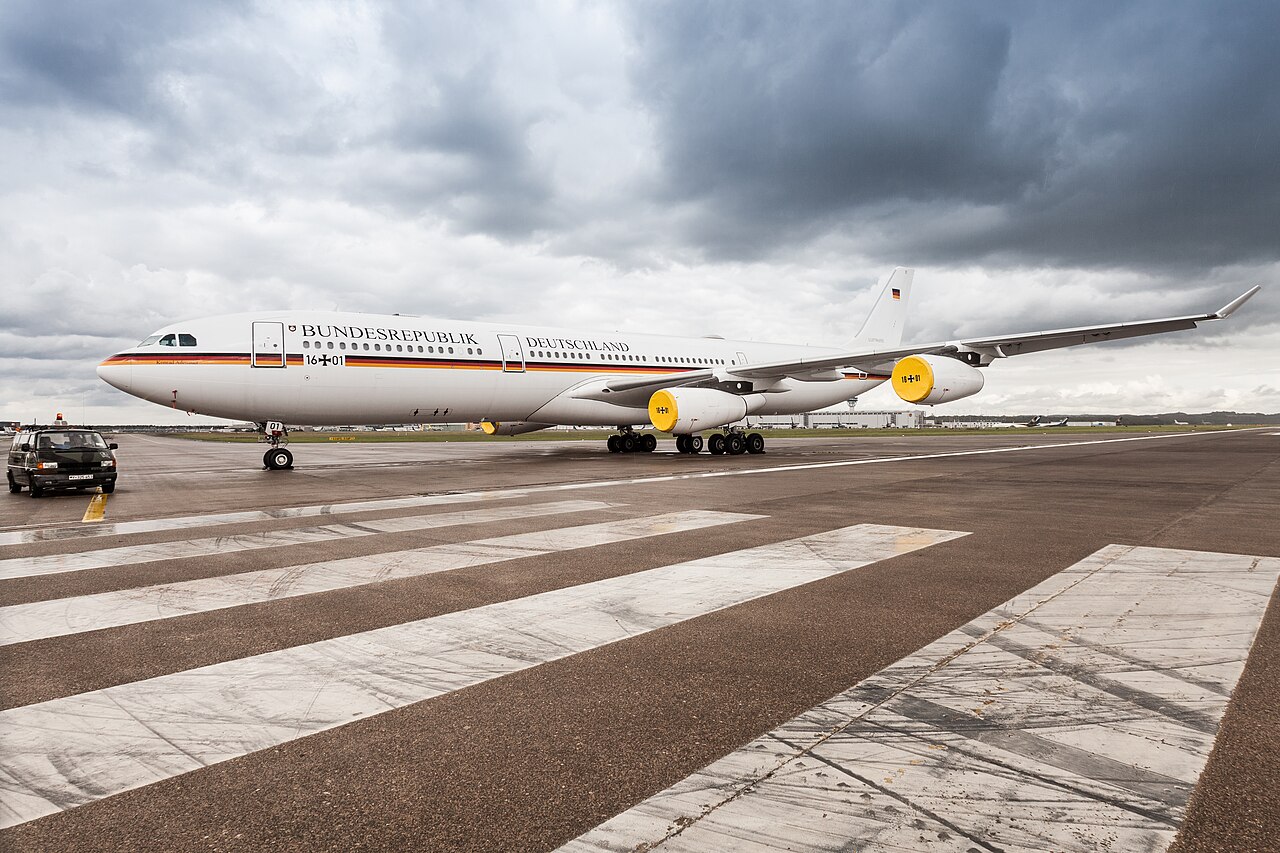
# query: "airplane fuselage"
327 368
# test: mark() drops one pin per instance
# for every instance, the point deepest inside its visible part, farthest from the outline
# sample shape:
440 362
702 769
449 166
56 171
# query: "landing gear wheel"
755 443
682 443
716 444
627 443
695 444
14 488
612 444
278 458
735 444
648 442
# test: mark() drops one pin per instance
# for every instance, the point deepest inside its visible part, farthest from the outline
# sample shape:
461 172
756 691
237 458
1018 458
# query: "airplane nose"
119 375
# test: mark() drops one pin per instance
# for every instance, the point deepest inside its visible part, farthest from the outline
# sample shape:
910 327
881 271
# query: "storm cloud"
748 169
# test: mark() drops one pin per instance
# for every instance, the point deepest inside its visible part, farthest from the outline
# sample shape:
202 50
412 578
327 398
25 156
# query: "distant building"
838 420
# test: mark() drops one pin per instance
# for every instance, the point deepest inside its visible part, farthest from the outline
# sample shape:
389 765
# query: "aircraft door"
512 353
742 358
268 345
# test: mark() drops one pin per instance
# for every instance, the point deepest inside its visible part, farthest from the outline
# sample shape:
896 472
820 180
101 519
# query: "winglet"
1230 308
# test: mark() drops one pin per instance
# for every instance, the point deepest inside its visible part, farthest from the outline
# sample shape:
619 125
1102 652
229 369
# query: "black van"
44 458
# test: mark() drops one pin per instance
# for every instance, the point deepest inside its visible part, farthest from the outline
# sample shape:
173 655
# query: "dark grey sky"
742 168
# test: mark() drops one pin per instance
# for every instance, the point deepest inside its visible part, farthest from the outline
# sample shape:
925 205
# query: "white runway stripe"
66 752
20 537
19 567
42 619
1076 717
186 522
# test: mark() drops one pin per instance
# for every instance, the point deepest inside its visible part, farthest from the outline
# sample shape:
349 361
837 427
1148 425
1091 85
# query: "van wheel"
36 491
14 488
108 488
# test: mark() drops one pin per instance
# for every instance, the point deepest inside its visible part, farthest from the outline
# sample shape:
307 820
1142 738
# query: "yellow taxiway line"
97 508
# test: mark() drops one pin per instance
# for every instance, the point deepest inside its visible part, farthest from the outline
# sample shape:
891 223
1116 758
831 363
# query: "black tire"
278 459
35 490
612 444
14 488
627 443
716 444
755 443
648 442
108 488
695 444
735 444
682 443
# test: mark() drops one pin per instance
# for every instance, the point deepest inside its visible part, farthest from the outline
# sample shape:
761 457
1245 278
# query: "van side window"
186 340
169 340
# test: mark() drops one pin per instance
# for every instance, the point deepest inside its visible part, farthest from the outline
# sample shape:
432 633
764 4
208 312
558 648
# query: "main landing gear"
735 443
689 443
278 457
629 441
732 442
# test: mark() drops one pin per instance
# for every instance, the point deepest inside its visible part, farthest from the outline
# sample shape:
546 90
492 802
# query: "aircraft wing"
1006 345
830 367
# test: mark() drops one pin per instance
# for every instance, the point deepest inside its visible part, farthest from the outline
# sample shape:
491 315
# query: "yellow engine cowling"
931 379
684 411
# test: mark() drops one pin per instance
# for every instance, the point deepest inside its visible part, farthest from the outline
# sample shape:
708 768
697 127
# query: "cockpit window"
186 340
149 341
169 340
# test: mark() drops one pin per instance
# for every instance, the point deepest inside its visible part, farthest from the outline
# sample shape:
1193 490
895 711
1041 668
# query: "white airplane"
328 368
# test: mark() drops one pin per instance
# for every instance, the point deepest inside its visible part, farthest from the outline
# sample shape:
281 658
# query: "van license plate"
80 477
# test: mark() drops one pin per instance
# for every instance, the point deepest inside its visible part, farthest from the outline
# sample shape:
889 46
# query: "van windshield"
70 441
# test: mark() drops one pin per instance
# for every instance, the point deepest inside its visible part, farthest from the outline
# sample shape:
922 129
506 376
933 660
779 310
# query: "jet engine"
512 428
684 411
932 379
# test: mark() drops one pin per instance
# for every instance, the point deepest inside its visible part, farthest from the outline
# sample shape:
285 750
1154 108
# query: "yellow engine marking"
912 379
97 509
489 427
662 411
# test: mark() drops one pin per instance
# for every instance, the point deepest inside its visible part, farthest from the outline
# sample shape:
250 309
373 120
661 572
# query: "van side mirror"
25 447
114 446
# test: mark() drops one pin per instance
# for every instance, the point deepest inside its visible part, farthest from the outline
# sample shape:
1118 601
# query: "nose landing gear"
277 458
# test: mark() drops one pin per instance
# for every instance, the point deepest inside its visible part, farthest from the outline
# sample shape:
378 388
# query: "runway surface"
945 642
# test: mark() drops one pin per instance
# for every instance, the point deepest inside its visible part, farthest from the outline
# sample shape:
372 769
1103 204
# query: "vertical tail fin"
884 325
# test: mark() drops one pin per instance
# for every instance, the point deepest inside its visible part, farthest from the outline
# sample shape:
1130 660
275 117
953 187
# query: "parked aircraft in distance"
1039 421
318 368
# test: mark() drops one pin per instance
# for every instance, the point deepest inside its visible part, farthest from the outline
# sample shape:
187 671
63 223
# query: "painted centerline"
19 567
42 619
1076 717
63 753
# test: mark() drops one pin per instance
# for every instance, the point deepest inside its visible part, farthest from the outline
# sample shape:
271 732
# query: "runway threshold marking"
57 617
20 537
1075 717
96 510
19 567
63 753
